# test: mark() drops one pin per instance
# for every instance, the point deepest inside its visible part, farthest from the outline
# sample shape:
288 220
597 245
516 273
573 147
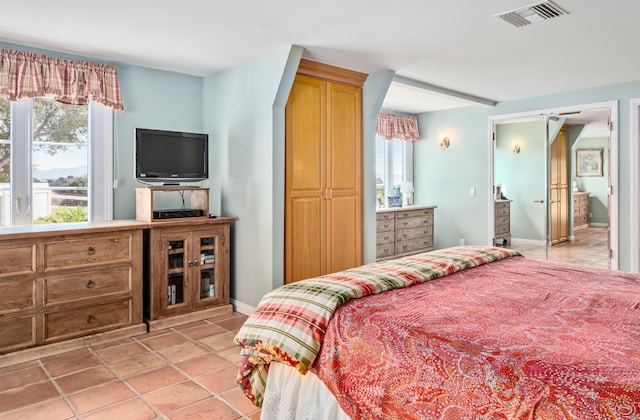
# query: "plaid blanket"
289 323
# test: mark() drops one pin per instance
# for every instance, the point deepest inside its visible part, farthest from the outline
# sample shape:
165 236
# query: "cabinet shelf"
148 200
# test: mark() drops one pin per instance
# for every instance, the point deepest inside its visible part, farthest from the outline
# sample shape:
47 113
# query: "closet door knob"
91 250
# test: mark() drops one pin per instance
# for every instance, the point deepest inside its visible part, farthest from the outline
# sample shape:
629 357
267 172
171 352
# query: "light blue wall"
152 99
523 176
444 177
244 116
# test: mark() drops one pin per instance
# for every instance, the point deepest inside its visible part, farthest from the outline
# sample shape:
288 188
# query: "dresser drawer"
90 319
86 285
384 237
385 225
502 209
410 245
503 220
87 251
17 333
385 215
500 229
17 258
385 250
17 295
403 214
414 222
414 233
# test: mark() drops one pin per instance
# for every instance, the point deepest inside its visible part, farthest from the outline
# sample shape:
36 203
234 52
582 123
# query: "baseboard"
242 308
598 225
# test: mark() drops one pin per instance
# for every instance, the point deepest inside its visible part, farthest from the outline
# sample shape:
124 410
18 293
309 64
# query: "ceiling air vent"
533 13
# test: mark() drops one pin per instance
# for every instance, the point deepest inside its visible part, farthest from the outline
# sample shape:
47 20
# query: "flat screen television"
171 157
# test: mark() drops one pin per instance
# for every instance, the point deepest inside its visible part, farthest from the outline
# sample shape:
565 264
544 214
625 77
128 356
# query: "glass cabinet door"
208 283
176 272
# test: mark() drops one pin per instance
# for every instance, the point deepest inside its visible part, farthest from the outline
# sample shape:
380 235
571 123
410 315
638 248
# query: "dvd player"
176 213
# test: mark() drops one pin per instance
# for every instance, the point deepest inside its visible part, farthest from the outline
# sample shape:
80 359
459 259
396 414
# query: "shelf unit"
186 270
147 198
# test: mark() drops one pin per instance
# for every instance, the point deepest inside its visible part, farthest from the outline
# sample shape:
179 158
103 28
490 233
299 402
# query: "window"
55 162
394 165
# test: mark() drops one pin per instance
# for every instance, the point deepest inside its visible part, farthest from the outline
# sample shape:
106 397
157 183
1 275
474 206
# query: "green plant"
65 215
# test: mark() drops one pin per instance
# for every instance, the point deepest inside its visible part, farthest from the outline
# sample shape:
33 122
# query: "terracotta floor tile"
56 409
128 410
209 409
201 365
255 416
156 379
181 352
69 362
236 398
27 395
232 324
232 354
11 368
121 352
207 330
101 396
84 379
22 377
165 341
159 364
220 341
137 365
177 396
221 380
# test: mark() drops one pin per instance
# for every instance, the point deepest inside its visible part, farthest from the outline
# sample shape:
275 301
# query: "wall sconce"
515 148
444 142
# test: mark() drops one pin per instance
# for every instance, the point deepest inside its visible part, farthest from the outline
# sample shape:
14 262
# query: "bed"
459 333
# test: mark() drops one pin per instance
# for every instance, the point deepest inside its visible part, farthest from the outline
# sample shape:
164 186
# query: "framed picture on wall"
589 162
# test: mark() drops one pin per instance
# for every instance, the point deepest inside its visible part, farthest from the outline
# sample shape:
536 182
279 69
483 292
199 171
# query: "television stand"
197 204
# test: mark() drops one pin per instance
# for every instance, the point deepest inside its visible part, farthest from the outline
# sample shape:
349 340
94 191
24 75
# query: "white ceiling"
457 45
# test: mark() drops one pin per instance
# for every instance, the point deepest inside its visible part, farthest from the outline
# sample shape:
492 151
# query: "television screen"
171 156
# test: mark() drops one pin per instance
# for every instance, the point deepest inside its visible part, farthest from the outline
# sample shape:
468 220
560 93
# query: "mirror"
553 171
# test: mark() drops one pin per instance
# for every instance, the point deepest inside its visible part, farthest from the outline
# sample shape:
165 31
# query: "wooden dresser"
580 210
69 285
403 231
503 223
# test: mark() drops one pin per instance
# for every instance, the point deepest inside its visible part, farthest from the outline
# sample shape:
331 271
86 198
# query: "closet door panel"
344 233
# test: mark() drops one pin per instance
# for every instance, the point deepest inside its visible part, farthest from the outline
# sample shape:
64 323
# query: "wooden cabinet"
580 210
502 222
403 231
559 189
186 270
323 172
69 284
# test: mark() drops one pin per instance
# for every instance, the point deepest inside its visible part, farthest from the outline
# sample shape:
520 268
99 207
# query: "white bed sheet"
292 396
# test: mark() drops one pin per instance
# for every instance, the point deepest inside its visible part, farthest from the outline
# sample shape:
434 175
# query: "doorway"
546 199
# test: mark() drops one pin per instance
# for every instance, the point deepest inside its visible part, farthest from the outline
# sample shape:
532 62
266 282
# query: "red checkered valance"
392 126
76 82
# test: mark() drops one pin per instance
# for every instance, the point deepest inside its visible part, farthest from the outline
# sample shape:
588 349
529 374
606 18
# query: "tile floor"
184 372
589 248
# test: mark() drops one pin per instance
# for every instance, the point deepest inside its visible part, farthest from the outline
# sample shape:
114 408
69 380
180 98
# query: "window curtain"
392 126
75 82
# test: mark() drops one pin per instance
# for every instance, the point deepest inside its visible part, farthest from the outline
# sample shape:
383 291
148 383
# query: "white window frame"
407 164
100 162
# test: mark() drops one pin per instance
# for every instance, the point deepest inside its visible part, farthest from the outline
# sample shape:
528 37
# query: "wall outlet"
461 242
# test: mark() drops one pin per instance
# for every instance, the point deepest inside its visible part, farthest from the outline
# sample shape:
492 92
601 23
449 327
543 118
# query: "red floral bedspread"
514 339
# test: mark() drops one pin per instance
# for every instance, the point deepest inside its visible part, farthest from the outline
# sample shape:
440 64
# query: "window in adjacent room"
394 165
47 172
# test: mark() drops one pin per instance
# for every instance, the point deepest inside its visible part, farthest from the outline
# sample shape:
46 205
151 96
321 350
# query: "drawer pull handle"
386 225
91 250
404 223
91 319
90 284
386 237
404 235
